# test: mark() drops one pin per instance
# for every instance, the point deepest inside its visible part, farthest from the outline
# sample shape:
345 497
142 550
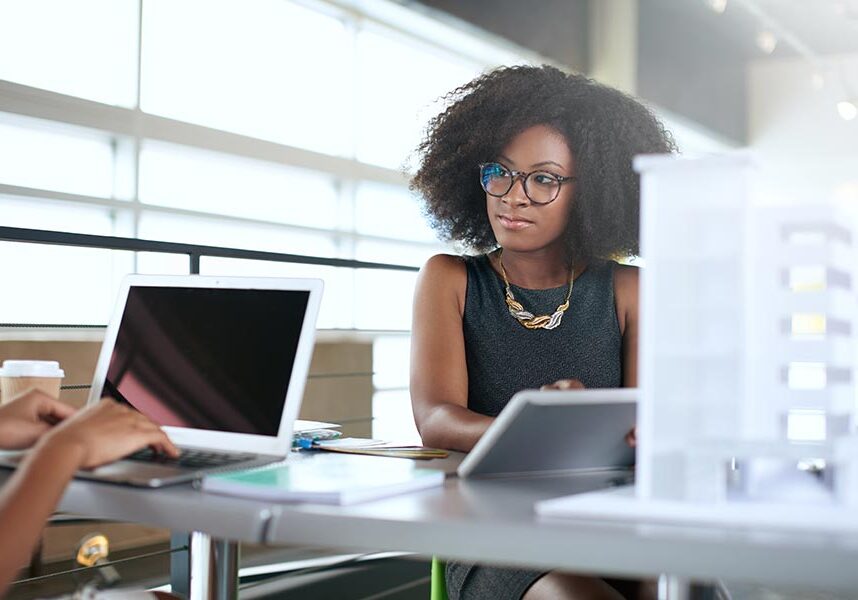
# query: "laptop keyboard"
190 459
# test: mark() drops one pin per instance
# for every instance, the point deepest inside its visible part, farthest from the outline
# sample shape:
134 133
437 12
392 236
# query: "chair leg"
438 588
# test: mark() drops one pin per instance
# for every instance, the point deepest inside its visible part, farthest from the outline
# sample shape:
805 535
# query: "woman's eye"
544 179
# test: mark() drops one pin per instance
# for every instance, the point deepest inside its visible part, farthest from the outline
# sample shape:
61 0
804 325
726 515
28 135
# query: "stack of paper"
370 447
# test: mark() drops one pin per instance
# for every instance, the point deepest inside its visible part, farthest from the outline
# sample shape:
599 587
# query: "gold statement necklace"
528 319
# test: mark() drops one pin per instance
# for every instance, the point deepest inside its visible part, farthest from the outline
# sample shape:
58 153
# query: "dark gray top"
504 357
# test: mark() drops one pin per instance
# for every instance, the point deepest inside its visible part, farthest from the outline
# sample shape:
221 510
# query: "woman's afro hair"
604 128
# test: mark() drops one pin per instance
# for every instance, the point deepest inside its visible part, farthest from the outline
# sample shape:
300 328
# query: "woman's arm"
626 290
626 296
92 437
439 373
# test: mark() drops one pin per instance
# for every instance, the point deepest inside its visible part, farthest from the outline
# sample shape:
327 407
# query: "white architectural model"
747 355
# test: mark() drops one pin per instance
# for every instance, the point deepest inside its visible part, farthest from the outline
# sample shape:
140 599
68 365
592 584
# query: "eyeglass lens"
539 186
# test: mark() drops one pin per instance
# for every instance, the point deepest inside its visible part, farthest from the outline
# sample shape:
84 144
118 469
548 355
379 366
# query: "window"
405 254
34 155
269 69
271 125
334 313
392 114
60 216
218 183
391 403
268 125
379 205
85 48
382 299
63 285
224 232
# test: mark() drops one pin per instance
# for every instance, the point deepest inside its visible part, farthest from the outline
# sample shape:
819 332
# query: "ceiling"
691 59
826 26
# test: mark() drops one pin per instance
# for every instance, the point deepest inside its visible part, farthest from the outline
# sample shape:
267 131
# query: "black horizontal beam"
194 251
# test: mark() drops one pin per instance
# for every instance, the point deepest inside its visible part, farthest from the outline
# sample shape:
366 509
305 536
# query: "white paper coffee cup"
17 377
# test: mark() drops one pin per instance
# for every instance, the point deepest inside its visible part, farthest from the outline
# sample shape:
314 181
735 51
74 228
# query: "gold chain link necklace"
528 319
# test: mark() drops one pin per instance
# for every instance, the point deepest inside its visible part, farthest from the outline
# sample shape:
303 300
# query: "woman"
531 168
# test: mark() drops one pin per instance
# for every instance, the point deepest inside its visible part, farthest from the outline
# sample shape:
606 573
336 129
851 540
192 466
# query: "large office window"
38 154
270 69
276 125
85 48
214 182
398 87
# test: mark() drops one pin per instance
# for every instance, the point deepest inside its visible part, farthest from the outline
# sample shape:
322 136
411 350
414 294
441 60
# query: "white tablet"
555 432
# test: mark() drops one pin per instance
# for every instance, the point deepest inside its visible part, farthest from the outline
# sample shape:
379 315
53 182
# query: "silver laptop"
555 432
219 362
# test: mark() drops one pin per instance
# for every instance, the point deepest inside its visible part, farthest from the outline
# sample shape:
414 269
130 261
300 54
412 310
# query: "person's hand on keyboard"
106 432
25 419
67 441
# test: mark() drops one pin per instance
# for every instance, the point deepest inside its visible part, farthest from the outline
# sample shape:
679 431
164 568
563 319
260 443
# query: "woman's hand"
106 432
564 384
24 420
632 437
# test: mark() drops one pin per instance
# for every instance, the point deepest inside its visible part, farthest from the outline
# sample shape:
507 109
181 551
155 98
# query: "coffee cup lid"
31 368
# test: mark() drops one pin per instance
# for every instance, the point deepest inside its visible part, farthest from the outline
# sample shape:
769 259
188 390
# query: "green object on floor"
439 584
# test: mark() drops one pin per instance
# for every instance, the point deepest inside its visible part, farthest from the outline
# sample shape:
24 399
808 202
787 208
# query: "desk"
488 521
493 521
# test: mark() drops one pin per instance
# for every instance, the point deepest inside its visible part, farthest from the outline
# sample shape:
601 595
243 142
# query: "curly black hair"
603 127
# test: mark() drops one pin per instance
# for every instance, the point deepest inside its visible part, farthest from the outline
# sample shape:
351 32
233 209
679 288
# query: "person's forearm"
453 427
28 499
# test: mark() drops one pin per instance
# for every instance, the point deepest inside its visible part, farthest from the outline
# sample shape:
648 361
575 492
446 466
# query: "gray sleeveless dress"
503 358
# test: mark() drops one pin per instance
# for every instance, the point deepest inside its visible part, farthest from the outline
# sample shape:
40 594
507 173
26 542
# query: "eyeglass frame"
561 179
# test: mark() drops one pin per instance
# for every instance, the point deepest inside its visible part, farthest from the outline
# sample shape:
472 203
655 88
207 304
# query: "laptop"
219 362
557 432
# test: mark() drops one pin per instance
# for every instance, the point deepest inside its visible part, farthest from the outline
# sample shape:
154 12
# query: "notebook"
545 432
219 362
371 447
326 479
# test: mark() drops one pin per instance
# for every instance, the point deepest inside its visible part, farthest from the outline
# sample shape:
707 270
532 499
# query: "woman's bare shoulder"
445 268
626 276
449 263
443 275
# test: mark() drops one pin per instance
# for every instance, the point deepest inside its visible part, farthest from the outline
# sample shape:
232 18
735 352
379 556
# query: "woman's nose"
516 195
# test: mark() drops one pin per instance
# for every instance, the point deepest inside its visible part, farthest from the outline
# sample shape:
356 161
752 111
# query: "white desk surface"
493 521
488 521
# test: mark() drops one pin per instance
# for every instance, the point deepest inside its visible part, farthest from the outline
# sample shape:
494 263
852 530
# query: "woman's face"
519 224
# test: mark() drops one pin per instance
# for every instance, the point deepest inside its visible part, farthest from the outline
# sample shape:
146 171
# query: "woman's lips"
513 223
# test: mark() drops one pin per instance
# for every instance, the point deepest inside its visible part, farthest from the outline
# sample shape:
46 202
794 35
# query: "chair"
438 585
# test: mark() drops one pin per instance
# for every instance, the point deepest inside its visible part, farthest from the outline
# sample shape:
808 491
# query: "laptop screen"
217 359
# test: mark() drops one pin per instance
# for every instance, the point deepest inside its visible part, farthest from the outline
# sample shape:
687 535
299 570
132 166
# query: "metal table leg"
671 587
213 568
227 558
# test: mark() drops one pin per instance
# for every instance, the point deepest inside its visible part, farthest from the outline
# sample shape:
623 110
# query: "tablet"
556 431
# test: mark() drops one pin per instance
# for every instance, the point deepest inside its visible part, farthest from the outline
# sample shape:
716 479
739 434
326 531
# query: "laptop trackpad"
136 473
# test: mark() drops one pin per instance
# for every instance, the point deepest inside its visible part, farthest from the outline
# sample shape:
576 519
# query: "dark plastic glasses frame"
524 178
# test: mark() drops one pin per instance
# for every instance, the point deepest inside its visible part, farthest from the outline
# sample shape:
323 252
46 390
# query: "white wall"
796 129
787 115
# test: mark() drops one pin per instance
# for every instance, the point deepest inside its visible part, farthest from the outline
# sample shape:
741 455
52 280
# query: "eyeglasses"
541 187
